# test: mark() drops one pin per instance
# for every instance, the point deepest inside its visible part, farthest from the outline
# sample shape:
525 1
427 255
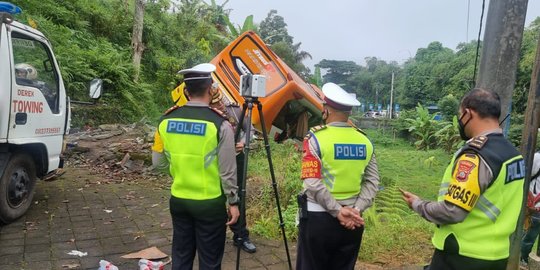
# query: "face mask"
462 127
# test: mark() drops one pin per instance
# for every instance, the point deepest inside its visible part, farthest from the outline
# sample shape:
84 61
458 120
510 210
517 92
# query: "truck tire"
17 187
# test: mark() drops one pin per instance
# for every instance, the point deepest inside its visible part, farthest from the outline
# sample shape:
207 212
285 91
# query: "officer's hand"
239 147
234 213
350 218
408 197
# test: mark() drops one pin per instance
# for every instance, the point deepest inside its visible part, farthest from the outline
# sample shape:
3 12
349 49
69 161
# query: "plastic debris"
105 265
77 253
145 264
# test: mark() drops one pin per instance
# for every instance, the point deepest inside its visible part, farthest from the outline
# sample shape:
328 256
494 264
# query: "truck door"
38 107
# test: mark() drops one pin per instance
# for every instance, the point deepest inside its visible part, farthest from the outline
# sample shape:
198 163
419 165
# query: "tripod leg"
249 106
274 183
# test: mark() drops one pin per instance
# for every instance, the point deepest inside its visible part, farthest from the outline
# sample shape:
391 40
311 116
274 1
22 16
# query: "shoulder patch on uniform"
220 113
169 110
359 130
478 142
317 128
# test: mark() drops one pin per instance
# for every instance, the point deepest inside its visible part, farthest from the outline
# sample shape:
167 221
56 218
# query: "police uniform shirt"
226 156
445 212
317 192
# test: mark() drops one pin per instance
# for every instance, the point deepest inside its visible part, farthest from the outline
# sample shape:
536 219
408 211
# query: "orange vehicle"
291 105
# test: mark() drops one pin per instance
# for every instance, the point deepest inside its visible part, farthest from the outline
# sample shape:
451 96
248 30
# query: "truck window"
34 67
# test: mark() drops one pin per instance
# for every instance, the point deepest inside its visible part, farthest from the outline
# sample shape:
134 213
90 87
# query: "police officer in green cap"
480 196
341 179
197 142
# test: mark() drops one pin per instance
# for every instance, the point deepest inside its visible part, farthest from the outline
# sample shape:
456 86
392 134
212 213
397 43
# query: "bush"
449 106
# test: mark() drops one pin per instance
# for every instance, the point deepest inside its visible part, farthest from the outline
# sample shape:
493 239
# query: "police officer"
341 179
232 111
198 143
481 192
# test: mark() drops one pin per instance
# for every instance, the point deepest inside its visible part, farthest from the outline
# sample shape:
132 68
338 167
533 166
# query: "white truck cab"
34 113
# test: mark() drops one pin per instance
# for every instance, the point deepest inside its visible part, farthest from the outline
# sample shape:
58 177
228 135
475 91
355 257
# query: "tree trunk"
136 39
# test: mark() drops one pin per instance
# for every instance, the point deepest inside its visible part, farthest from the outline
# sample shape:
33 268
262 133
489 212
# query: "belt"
315 207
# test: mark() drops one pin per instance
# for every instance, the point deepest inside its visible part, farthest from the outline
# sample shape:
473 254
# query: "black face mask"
462 127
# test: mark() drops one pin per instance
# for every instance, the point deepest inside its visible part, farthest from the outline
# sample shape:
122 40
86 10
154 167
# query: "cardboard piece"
152 253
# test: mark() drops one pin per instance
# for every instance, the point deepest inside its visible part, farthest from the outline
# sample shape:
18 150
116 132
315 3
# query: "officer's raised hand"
234 213
408 197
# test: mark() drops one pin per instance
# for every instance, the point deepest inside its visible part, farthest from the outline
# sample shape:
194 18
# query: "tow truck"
34 112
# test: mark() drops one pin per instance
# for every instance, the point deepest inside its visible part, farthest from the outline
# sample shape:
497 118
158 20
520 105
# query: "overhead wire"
478 43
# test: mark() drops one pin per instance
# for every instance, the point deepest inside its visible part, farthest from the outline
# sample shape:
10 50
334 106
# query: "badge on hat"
337 98
198 72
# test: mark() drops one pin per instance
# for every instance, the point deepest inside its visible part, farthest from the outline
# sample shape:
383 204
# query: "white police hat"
198 72
337 98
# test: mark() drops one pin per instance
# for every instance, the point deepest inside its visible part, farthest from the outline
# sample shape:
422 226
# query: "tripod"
248 106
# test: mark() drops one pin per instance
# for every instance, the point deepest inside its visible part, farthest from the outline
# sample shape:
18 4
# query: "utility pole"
392 96
528 146
500 50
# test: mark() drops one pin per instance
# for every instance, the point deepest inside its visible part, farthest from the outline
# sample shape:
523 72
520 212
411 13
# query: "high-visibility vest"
485 232
190 138
345 153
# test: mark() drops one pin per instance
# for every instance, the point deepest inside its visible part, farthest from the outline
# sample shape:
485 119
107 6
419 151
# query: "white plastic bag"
105 265
145 264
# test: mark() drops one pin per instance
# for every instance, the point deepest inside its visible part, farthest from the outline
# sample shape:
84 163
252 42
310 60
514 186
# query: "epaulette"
317 128
171 109
359 130
220 113
312 130
478 142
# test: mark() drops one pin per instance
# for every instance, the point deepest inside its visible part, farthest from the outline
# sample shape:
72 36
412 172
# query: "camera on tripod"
253 86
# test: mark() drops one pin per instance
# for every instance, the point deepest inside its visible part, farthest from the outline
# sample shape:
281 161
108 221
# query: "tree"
273 29
448 106
136 39
338 71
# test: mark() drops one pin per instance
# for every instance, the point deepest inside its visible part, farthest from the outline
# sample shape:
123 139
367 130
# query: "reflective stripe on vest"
345 153
484 234
191 146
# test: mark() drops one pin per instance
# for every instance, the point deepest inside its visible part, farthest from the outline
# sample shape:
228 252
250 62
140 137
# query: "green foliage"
423 128
525 66
448 106
273 30
92 39
448 137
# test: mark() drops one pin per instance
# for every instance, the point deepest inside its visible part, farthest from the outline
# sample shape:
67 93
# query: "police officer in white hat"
198 143
341 179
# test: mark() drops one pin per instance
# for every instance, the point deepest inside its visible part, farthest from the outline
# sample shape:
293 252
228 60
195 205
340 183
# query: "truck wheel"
17 187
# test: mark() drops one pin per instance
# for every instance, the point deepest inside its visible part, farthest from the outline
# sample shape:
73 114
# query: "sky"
391 30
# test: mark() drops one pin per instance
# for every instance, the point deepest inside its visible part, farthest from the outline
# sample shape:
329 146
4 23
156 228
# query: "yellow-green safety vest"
345 153
485 232
191 146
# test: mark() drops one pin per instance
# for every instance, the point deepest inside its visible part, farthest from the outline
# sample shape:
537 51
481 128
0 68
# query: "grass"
394 234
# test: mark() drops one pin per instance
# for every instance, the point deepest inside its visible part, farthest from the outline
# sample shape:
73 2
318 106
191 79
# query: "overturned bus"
290 106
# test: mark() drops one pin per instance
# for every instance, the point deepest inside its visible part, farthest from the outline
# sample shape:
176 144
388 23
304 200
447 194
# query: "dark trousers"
324 244
239 229
452 261
198 226
530 237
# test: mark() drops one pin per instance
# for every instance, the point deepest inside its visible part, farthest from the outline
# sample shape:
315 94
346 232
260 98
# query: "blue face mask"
462 127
